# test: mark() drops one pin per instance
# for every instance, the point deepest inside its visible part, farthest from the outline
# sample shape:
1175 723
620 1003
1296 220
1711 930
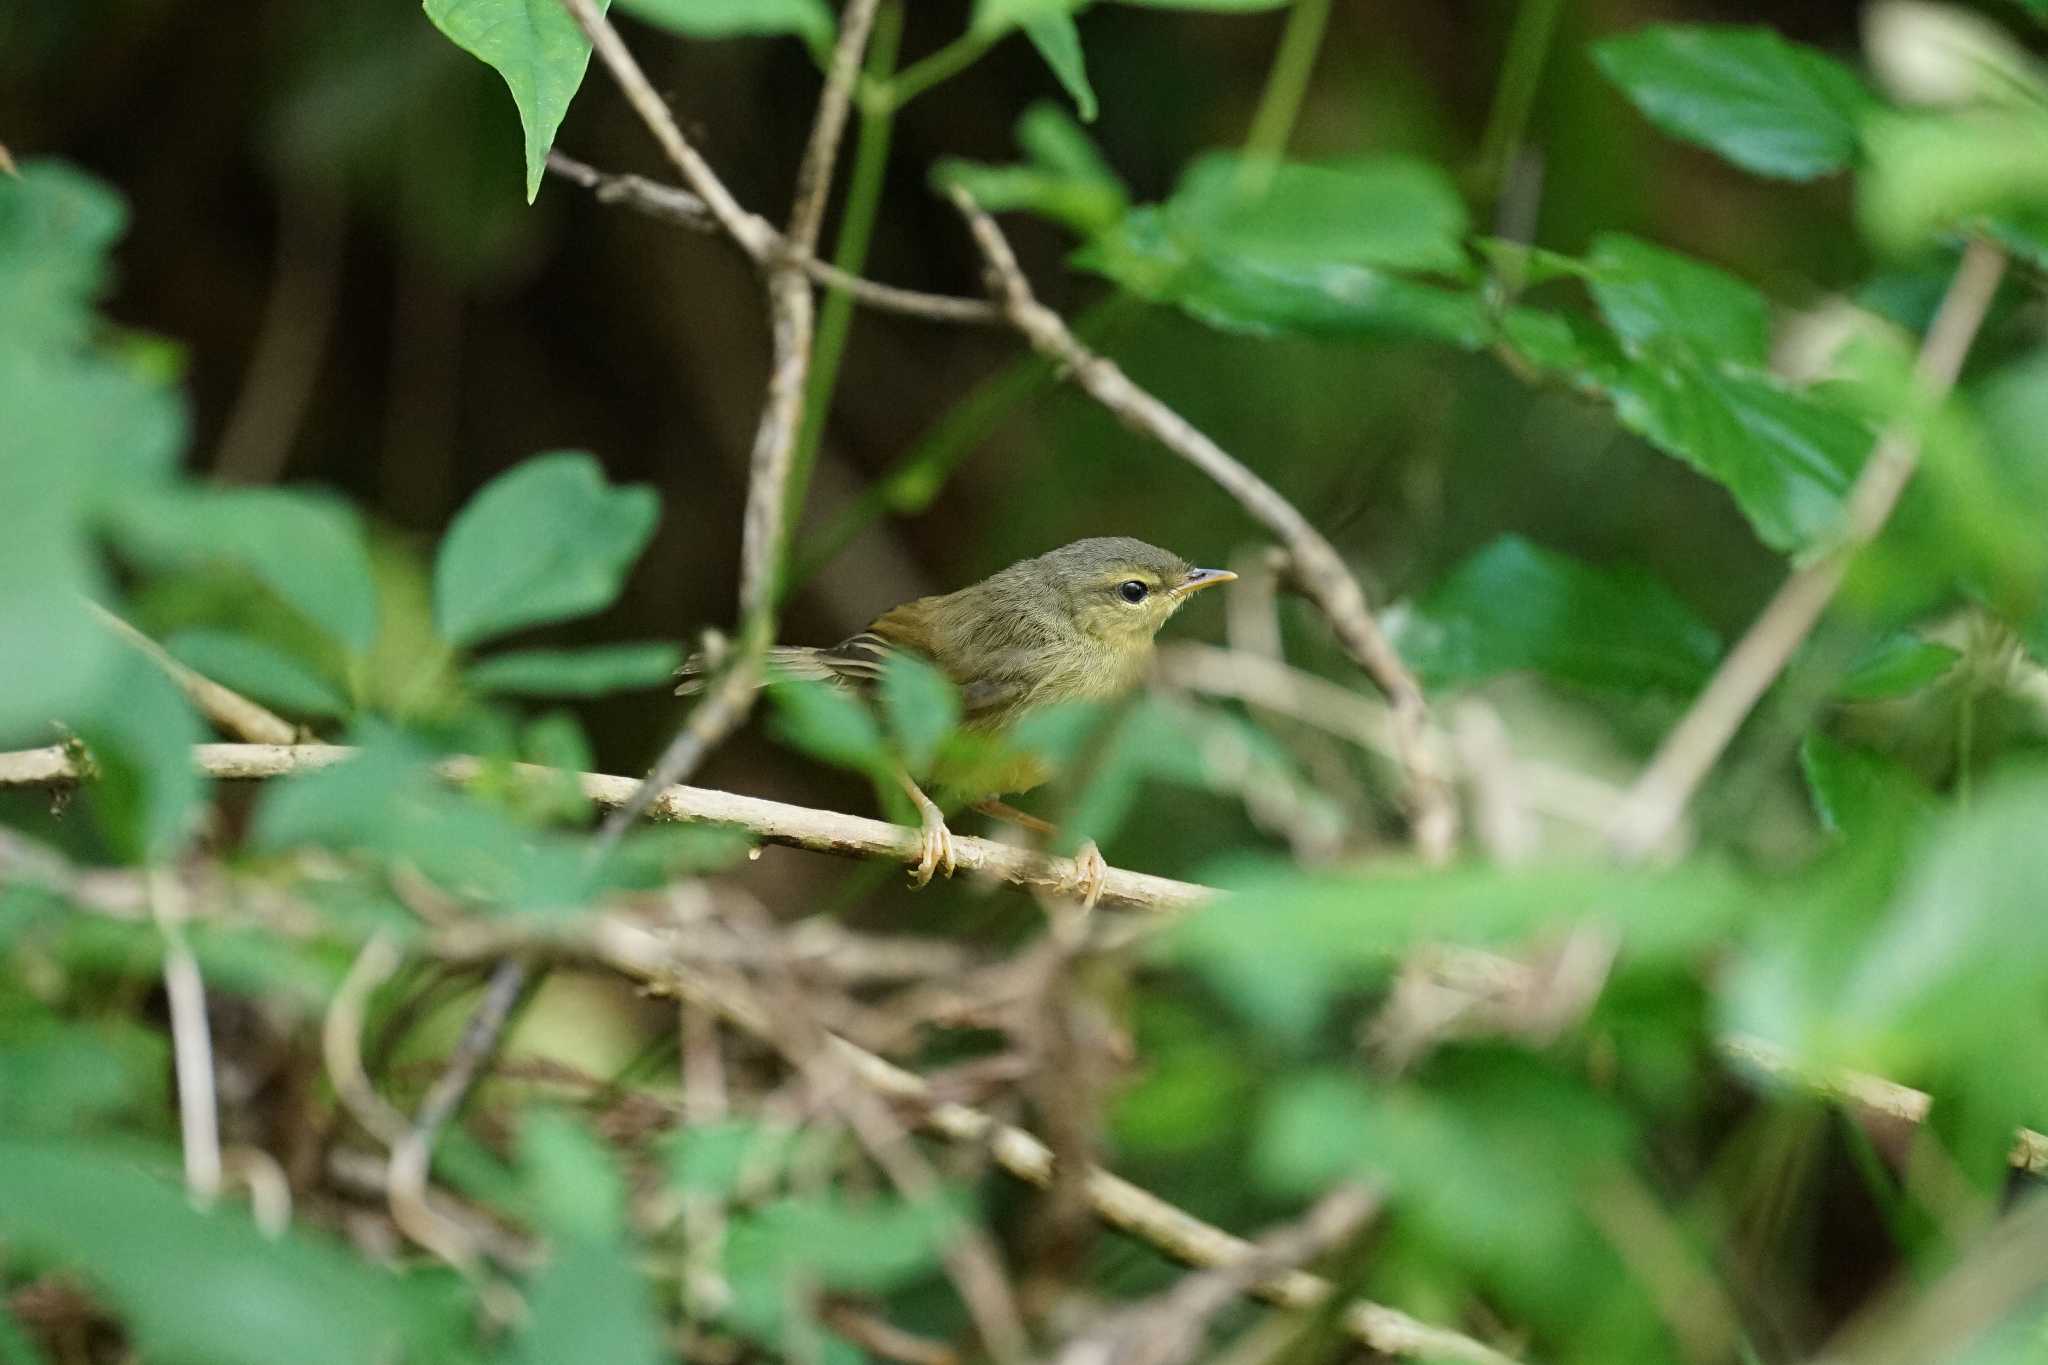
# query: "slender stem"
1294 61
849 254
1521 72
948 62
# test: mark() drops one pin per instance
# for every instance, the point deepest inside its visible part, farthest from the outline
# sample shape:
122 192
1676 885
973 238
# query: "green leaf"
15 1346
922 705
1065 177
1059 42
59 1078
1897 664
997 16
1219 6
1773 107
257 670
1858 791
236 1297
1651 297
56 228
713 1158
829 724
140 731
1931 173
547 540
537 47
1515 607
590 672
304 546
810 20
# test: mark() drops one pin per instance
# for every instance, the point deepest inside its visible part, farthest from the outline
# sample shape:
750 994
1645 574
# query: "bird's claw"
1086 881
936 853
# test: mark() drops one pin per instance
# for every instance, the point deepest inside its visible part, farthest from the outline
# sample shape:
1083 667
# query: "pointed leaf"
1059 42
590 672
810 20
539 50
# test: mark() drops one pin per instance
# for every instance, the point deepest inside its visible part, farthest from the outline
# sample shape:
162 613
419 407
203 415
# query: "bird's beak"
1199 579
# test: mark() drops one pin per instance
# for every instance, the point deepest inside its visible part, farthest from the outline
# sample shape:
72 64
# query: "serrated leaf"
588 672
538 49
810 20
257 670
306 547
1771 106
1515 607
1058 41
547 540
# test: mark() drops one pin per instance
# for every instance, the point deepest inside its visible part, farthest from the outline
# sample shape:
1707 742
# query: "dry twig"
1316 566
234 713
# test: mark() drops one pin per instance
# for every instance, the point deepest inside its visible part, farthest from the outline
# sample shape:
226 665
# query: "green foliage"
1514 607
1858 792
237 1297
1059 42
574 672
1770 106
548 541
922 706
258 670
1896 665
810 20
1064 179
537 48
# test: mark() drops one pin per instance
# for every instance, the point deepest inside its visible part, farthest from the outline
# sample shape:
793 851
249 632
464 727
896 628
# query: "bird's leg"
1090 871
938 840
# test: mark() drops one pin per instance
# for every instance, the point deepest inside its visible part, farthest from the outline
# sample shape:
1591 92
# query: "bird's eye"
1132 591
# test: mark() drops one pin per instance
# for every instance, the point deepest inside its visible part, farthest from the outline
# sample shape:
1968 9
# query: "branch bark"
1317 567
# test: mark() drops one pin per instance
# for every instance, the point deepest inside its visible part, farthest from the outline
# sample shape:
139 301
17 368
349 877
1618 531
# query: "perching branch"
774 822
228 709
1695 744
1316 565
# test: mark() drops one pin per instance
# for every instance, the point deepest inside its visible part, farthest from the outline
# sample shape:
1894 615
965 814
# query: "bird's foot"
937 851
1090 872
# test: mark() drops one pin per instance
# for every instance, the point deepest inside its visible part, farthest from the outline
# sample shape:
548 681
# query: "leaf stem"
1294 63
1521 72
935 68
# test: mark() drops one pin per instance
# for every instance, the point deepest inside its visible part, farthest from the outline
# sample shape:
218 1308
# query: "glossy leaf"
810 20
1059 42
547 540
306 547
538 49
1769 105
1515 607
257 670
588 672
1654 298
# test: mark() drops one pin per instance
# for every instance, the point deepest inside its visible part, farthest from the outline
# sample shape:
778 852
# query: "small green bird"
1074 624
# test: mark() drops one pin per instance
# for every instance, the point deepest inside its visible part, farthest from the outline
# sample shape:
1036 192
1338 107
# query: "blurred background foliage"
1569 324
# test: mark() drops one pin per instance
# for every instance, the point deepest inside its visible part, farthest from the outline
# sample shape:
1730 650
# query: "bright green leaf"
1515 607
140 731
713 1158
1649 295
1219 6
589 672
56 227
1931 173
1065 178
258 670
1857 791
537 47
61 1077
1059 42
236 1297
1773 107
547 540
304 546
828 723
1390 212
997 16
810 20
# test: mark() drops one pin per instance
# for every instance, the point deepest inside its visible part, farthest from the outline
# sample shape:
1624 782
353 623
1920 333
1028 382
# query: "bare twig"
341 1035
234 713
1695 744
1317 567
1168 1328
639 951
191 1040
821 831
679 206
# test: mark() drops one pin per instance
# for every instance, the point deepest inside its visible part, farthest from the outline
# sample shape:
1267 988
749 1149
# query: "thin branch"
750 231
1317 567
228 709
814 174
191 1041
1695 744
775 822
639 951
679 206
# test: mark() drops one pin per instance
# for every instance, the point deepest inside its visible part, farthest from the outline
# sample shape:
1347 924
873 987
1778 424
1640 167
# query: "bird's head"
1119 590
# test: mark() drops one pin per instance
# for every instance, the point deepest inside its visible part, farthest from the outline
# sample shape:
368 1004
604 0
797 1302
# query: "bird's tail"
784 661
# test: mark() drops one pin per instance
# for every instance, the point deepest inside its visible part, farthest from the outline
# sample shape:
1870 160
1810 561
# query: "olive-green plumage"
1075 623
